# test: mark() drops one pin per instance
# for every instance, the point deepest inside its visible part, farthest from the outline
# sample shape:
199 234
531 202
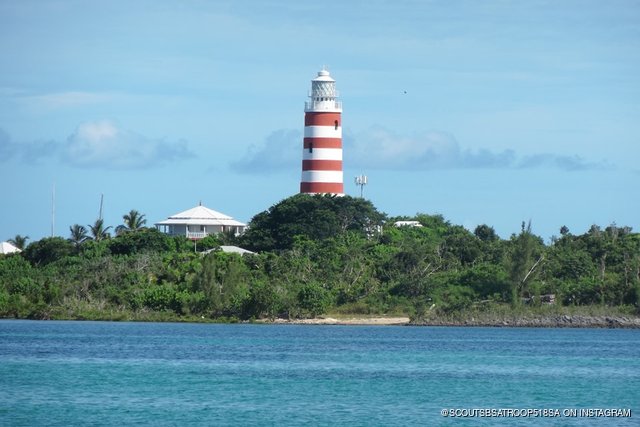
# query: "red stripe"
322 165
321 119
323 142
321 187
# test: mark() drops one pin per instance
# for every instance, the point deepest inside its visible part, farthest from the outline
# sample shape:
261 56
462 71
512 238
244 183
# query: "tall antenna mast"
53 210
101 202
361 180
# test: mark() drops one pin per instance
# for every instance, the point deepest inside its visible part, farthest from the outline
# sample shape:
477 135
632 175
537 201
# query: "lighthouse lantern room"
322 147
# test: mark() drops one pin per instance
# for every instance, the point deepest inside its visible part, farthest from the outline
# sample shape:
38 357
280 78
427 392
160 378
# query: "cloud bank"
281 151
102 144
379 148
99 144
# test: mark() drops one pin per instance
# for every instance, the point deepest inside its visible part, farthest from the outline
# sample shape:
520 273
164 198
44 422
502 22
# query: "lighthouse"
322 147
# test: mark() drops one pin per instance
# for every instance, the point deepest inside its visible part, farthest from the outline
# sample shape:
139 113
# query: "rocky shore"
560 321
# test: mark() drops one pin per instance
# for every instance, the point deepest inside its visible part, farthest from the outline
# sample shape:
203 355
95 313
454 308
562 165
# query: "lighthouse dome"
323 76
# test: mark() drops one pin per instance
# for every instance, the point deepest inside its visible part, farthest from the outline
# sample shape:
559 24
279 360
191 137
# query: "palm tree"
19 241
78 234
133 221
98 230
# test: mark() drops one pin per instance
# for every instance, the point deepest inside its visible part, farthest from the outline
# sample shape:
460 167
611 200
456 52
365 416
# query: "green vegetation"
319 254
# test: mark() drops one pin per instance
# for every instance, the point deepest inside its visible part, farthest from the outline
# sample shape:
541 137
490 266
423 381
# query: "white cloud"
29 152
99 144
281 151
103 144
378 148
568 163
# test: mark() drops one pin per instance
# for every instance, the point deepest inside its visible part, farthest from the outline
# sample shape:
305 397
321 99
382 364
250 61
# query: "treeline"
316 254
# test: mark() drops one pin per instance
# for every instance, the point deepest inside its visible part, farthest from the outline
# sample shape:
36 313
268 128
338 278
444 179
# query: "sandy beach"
560 321
382 321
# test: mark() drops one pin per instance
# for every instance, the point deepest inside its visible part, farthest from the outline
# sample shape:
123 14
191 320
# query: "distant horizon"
485 113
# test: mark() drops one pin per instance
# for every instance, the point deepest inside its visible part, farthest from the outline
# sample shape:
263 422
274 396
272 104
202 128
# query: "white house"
199 222
8 248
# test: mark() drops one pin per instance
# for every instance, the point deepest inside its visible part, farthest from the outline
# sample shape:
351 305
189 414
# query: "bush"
487 280
144 240
454 298
48 250
313 299
161 298
263 300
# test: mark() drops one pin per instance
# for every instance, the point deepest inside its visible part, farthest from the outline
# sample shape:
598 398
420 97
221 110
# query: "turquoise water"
106 374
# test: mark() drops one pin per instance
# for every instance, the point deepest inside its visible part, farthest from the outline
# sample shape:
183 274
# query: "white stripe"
322 132
322 176
322 154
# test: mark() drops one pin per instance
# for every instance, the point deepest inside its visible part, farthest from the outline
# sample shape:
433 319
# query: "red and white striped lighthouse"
322 152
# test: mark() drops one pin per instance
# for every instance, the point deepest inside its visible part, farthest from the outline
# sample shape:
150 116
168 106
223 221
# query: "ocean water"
109 374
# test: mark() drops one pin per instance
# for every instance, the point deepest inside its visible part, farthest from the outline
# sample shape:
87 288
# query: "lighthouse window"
336 123
311 147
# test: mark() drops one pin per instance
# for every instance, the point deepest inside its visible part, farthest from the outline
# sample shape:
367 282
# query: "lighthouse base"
322 188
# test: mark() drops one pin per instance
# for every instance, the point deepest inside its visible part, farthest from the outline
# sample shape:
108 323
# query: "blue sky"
491 112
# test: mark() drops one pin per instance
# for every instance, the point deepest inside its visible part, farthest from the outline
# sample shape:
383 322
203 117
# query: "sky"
492 112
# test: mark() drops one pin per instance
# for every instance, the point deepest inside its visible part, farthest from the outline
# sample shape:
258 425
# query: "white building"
407 224
199 222
8 248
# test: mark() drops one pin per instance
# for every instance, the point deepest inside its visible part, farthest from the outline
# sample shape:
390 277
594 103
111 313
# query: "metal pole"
53 210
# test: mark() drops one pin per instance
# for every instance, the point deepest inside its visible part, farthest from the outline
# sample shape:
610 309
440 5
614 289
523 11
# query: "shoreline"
560 321
361 321
530 320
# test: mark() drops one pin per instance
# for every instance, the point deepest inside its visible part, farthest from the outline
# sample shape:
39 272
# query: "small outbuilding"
199 222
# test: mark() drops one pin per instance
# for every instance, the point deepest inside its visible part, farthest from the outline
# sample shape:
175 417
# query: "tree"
19 241
263 300
526 256
485 233
316 217
313 299
78 234
487 280
98 230
48 250
133 221
223 281
462 246
145 240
